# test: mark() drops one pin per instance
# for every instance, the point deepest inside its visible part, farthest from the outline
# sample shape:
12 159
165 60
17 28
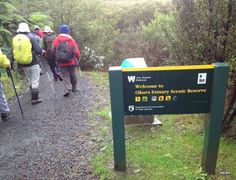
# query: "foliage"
85 25
34 13
95 29
159 30
132 41
98 25
7 84
199 32
208 34
26 7
40 19
26 11
204 30
8 21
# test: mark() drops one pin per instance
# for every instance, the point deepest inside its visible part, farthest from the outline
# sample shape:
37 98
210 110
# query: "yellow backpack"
4 61
22 49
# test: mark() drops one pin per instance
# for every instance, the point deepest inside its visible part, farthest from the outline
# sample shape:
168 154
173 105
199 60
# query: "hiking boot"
66 94
60 76
36 101
4 116
75 90
35 97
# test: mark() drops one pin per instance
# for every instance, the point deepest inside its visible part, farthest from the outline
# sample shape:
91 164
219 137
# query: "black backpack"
63 52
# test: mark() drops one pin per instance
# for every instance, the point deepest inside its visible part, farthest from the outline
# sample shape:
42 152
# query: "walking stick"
80 73
49 79
14 87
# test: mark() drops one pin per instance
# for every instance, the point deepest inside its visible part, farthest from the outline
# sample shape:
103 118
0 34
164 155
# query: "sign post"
215 118
117 109
169 90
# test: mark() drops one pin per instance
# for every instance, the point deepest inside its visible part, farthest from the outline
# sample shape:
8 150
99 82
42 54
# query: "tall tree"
208 29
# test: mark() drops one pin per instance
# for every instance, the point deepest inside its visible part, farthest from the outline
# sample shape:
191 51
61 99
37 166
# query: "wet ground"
55 139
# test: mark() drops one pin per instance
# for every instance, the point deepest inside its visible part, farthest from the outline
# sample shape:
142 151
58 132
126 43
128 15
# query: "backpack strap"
36 49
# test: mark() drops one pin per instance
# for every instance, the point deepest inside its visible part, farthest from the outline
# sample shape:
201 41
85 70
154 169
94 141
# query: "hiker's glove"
43 53
11 65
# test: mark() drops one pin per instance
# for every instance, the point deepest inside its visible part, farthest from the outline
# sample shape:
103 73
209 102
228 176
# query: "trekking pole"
14 87
80 73
49 79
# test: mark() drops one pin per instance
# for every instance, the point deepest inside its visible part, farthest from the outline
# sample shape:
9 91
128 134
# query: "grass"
7 84
171 151
168 151
100 77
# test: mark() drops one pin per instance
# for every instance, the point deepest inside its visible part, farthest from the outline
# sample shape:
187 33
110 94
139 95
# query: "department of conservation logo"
131 108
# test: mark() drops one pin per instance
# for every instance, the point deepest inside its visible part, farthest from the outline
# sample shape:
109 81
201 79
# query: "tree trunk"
231 112
210 44
226 29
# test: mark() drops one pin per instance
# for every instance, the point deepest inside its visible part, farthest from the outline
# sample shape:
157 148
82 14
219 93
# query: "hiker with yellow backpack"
4 108
25 50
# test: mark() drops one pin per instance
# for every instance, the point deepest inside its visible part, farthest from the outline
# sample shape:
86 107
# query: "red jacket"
72 45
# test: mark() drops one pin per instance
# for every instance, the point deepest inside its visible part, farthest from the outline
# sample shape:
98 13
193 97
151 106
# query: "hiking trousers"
69 78
4 108
33 75
53 67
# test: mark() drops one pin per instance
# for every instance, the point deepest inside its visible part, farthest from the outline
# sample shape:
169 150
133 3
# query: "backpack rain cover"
22 49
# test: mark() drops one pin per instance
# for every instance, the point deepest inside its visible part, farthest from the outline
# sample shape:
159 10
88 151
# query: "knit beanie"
64 29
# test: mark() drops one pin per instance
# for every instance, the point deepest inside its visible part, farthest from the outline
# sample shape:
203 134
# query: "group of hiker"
28 51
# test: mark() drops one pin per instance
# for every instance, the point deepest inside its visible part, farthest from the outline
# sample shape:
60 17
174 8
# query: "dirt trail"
54 139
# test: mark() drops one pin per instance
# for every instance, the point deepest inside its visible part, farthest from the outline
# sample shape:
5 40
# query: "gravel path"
54 139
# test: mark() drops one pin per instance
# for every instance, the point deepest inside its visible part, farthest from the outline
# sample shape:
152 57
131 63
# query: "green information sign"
164 91
169 90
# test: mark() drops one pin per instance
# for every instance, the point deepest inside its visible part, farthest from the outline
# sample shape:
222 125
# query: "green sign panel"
176 91
169 90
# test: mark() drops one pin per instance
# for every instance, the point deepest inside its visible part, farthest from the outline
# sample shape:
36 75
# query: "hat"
47 29
23 27
64 29
36 27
